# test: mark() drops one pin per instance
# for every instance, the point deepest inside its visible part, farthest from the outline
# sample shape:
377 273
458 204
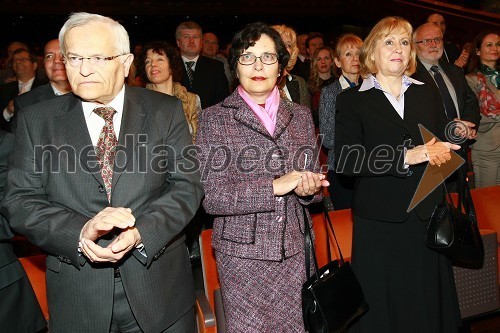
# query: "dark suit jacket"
37 95
51 204
8 92
299 93
19 309
452 52
367 122
468 106
302 69
209 81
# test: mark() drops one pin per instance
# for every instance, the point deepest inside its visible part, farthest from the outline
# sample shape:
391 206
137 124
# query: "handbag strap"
330 225
464 195
309 247
470 210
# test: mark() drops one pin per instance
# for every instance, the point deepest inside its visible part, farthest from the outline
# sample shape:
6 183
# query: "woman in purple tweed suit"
259 166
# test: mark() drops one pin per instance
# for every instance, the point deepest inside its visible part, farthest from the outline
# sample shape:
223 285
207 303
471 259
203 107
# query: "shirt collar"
371 82
429 65
195 59
116 103
27 83
56 91
343 83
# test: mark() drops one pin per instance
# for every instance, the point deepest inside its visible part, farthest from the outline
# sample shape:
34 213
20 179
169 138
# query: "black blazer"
50 205
15 287
8 92
452 52
366 122
209 81
468 106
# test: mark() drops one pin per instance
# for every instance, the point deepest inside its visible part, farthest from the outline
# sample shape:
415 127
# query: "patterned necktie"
106 146
451 111
189 69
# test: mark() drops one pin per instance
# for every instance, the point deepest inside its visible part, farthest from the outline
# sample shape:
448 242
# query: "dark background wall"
36 22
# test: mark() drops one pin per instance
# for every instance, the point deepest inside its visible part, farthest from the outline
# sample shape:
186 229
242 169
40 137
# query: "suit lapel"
133 121
73 126
283 118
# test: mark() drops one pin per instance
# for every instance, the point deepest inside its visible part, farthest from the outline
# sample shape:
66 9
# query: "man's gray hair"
122 42
191 25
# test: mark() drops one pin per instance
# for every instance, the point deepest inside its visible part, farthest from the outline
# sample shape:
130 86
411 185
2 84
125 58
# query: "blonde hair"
382 29
315 81
346 40
286 31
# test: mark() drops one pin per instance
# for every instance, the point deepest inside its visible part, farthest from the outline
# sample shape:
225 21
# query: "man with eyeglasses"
100 182
460 104
202 75
24 65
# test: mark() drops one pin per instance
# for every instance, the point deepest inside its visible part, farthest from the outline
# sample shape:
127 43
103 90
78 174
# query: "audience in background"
24 65
292 86
313 41
202 75
322 74
160 66
58 84
347 61
210 48
460 105
7 73
451 53
484 80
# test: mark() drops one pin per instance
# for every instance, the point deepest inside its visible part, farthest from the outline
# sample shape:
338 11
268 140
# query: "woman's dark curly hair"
172 54
247 37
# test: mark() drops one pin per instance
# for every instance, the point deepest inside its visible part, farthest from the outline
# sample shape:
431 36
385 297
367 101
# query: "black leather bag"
331 298
453 231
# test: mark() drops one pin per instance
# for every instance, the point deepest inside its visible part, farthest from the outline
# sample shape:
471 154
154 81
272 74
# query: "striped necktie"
189 70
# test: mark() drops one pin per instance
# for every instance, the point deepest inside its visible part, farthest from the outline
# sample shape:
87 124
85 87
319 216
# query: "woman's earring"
279 74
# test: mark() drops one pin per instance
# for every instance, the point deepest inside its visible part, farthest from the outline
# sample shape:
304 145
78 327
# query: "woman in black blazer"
408 287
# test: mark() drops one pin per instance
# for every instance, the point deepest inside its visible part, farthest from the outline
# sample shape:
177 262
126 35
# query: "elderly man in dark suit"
15 288
459 101
100 181
24 65
56 72
202 75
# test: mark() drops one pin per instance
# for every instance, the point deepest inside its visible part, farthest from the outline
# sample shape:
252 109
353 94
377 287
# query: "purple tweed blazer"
239 160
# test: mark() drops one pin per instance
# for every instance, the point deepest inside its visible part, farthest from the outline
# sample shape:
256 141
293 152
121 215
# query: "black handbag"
331 298
453 231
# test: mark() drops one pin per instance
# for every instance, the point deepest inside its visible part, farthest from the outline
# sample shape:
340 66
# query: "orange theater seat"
342 225
35 269
205 302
